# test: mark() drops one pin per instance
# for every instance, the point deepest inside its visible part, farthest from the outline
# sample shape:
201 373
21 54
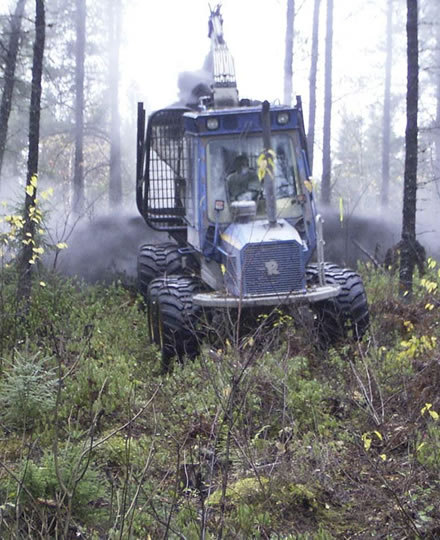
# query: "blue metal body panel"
257 259
202 203
239 120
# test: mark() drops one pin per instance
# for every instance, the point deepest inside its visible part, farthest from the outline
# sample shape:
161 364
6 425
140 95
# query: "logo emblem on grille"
272 268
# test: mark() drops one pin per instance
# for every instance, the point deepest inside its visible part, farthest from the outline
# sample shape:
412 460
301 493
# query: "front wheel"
173 318
153 309
345 316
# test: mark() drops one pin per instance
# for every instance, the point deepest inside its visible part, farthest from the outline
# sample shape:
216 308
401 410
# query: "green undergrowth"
275 439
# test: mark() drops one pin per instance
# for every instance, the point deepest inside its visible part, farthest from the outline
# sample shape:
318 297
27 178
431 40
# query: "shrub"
28 391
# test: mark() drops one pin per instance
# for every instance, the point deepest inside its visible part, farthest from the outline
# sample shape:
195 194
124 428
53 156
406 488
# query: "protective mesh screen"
166 171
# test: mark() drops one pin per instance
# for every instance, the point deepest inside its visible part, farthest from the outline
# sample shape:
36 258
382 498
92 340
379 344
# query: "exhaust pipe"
269 188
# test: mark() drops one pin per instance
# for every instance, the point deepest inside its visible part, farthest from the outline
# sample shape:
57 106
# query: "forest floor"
268 437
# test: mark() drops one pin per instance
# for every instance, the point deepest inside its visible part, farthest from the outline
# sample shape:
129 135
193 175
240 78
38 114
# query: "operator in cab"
243 183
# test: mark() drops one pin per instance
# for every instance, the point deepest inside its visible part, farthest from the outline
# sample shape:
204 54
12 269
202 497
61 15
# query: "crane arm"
225 84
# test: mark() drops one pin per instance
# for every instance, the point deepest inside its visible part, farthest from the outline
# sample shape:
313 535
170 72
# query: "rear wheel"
346 315
155 261
173 318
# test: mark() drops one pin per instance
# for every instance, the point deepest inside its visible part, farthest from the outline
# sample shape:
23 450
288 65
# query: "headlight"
283 118
212 123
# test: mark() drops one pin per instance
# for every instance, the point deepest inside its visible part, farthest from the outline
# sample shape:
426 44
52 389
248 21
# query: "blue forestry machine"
229 181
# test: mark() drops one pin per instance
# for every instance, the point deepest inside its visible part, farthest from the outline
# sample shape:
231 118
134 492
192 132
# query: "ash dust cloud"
106 247
194 85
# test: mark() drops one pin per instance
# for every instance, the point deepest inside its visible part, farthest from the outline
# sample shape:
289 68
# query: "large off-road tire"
155 261
173 318
153 309
346 316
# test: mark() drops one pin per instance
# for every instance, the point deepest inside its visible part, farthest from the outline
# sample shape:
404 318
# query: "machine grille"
272 268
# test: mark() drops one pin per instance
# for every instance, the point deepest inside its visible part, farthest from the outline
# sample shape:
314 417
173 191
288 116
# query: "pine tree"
26 256
288 58
387 108
78 177
408 243
312 82
326 158
9 76
115 185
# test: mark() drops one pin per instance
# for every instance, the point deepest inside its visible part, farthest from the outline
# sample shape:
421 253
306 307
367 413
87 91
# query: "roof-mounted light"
283 118
212 123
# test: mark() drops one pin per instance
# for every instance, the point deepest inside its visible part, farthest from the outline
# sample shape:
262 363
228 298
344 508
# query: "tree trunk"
387 109
288 58
312 82
9 76
78 175
115 187
326 151
437 117
27 257
408 253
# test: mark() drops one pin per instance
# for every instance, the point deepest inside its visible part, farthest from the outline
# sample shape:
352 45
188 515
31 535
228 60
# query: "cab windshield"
232 175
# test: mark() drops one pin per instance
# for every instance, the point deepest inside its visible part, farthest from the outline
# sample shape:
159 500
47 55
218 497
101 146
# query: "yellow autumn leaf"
367 441
408 325
46 194
309 185
262 166
434 415
431 263
261 158
42 284
265 163
30 190
34 180
226 391
61 245
426 408
383 457
250 342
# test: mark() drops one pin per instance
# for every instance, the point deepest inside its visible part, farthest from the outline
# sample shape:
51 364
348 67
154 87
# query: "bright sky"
166 37
162 38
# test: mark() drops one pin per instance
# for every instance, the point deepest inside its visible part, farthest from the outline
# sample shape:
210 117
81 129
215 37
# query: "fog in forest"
219 269
129 56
